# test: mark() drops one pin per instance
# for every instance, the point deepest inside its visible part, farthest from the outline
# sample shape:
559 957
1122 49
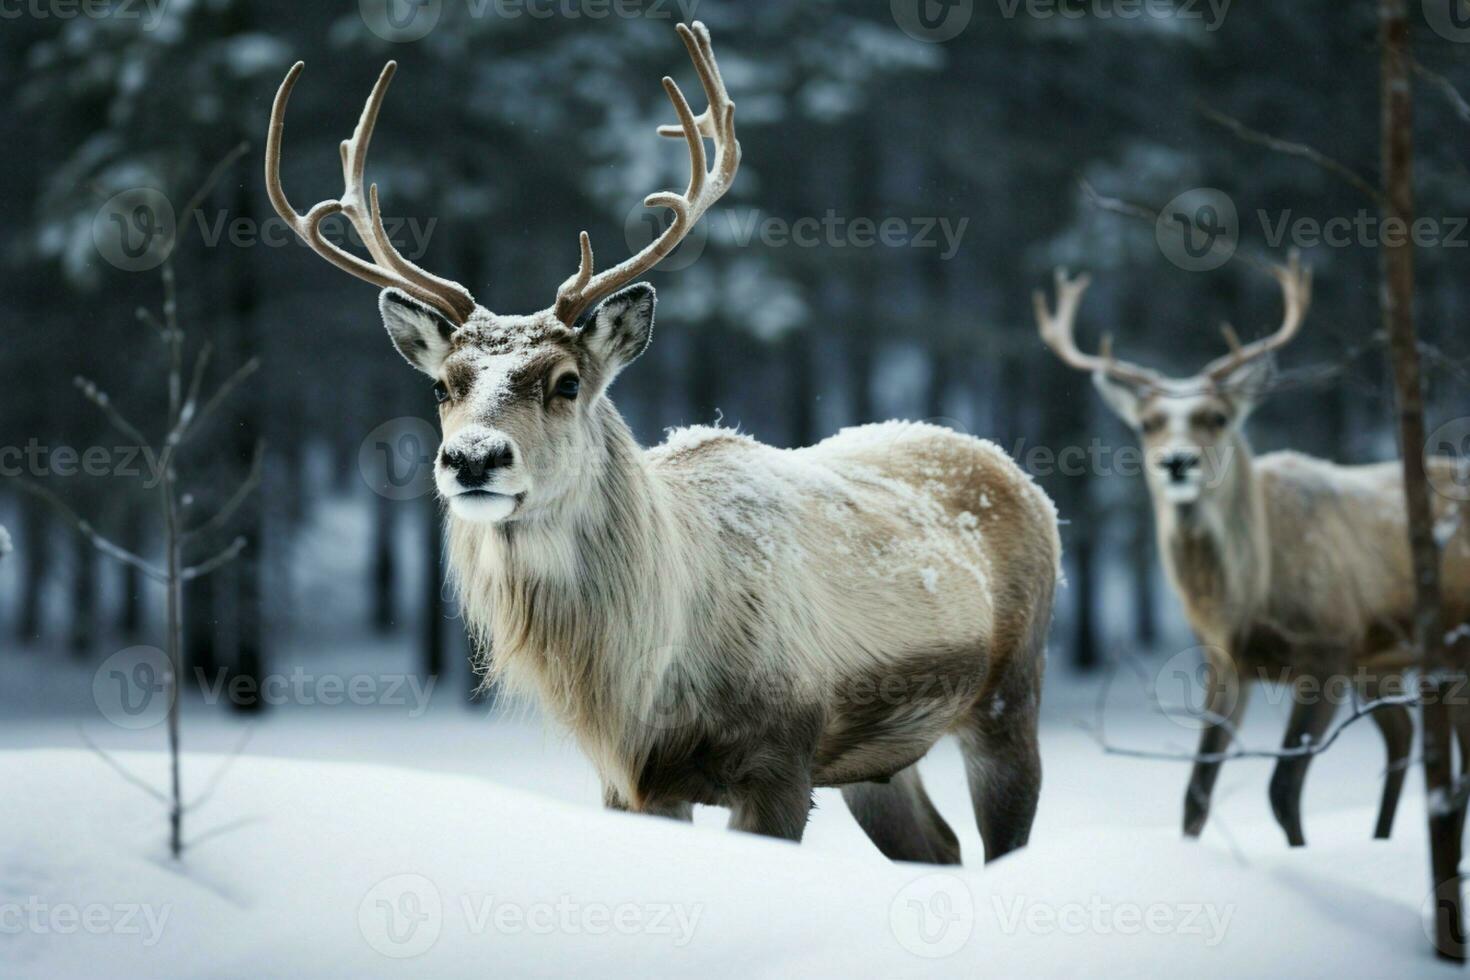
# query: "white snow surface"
458 842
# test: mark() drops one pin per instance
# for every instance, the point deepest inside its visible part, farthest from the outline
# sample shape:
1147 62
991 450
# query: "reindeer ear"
620 328
420 332
1121 396
1248 384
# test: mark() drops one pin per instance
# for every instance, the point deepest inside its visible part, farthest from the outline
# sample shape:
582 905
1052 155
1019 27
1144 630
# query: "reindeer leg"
901 820
1309 719
773 809
1396 726
613 800
1225 702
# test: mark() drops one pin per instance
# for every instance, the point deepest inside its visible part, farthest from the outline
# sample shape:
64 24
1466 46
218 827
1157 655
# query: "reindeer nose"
1179 465
474 467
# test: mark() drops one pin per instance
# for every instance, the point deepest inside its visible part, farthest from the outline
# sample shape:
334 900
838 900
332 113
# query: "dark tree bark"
130 613
434 612
36 521
83 599
1397 300
1145 612
385 564
249 612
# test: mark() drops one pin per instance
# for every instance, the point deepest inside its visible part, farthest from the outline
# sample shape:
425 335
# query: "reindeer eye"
1217 420
441 392
1152 424
568 386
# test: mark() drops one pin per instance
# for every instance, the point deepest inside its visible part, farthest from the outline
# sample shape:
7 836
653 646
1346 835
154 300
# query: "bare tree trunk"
433 640
250 620
385 570
1145 613
36 522
1397 93
83 599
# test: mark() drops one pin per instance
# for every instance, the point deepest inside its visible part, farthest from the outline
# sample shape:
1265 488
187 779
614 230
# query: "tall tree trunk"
801 368
36 520
83 599
200 651
385 571
130 614
1084 626
433 626
249 612
1397 297
1145 612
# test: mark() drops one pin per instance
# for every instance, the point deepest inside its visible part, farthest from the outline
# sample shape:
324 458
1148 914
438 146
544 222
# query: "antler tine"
1296 293
388 268
1058 332
705 186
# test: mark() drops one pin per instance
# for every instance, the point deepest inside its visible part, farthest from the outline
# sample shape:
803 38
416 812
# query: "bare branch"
191 400
118 768
241 494
209 181
86 530
98 397
214 564
225 767
1298 150
1456 100
1131 209
187 427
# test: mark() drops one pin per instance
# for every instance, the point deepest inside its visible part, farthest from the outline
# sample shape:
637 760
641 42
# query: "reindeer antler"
388 268
1057 332
1296 291
706 187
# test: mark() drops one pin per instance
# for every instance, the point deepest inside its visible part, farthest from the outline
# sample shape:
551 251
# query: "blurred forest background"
506 133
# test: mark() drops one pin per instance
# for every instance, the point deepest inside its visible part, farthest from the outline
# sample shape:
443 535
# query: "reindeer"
717 621
1290 568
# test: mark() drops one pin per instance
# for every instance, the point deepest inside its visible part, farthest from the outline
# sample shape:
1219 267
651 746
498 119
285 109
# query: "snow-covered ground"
442 839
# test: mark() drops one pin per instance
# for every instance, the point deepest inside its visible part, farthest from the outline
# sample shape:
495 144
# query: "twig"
214 564
98 397
187 428
1456 100
219 774
222 517
213 178
191 401
1300 150
118 768
86 530
1131 209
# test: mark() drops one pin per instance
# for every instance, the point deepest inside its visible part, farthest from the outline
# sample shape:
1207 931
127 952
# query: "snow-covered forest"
246 722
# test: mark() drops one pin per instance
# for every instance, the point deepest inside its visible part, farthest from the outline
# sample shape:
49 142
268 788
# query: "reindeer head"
1189 426
518 395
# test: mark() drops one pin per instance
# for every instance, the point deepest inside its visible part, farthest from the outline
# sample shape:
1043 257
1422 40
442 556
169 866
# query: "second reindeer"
717 621
1292 570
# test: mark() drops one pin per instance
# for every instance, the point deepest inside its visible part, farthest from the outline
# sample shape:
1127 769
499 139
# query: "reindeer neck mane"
1217 556
567 609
